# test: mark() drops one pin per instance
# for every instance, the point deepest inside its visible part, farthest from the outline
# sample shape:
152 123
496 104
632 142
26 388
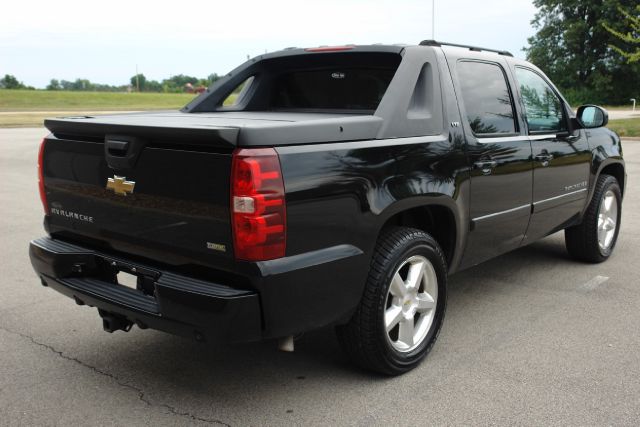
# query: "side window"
486 98
543 108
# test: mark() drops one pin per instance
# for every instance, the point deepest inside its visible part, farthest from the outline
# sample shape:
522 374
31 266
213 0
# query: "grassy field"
41 100
19 108
626 127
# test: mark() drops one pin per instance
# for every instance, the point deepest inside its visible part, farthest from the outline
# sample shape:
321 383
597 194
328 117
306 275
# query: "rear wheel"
595 238
403 305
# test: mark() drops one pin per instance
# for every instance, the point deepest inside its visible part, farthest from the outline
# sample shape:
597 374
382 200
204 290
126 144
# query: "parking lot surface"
531 337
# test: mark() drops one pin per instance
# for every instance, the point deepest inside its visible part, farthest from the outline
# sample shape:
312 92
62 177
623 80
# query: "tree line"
11 82
589 48
173 84
139 82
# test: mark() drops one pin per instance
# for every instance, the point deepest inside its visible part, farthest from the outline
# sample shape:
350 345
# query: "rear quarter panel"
338 197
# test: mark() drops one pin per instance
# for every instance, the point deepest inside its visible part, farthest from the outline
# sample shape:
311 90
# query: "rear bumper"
179 304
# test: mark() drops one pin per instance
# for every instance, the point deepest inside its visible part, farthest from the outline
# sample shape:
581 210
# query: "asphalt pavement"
531 338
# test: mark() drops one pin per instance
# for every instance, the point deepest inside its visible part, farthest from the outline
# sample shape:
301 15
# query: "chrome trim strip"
498 139
559 197
480 218
493 140
542 137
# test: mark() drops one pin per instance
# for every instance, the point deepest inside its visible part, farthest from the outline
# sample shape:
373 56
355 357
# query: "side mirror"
592 116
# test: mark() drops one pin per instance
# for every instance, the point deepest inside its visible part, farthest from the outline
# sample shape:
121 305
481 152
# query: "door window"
543 108
486 98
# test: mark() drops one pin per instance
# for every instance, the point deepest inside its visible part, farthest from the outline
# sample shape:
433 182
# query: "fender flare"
440 200
603 164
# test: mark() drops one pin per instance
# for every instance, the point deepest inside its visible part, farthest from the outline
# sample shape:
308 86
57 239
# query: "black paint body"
346 177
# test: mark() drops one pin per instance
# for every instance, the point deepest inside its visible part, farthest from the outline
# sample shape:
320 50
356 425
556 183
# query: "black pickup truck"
331 186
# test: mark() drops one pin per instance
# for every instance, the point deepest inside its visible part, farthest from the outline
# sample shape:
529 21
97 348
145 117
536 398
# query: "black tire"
365 338
582 240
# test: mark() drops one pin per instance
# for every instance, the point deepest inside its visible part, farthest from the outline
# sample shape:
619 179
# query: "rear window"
336 88
319 82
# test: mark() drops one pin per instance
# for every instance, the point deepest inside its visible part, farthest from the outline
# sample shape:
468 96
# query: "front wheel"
595 238
402 309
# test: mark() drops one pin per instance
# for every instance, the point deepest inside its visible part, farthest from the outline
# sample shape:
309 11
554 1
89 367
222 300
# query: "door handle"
544 158
486 166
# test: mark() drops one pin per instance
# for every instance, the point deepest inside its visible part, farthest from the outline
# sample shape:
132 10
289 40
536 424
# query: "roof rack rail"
474 48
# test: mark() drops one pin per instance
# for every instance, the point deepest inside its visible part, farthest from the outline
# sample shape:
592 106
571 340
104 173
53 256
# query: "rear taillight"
257 205
43 195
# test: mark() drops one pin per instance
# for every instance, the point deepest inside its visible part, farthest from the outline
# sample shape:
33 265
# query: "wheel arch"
613 166
615 169
437 216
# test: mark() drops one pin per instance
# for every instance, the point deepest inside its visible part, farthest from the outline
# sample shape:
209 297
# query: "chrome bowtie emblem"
120 185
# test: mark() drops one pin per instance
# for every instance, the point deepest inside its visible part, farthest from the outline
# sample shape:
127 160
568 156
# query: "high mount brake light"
328 48
258 207
43 195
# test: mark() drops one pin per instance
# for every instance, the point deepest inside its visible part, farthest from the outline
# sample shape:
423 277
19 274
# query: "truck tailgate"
169 197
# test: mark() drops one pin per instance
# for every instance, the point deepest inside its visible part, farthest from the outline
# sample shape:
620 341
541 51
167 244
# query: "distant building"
188 88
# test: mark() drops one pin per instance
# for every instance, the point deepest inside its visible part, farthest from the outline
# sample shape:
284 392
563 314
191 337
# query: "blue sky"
104 41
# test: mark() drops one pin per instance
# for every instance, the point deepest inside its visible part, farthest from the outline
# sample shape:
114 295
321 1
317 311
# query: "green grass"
19 108
19 120
43 100
626 127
